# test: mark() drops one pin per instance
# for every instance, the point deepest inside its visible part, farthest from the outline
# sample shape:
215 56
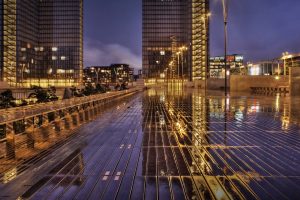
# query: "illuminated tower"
176 38
41 42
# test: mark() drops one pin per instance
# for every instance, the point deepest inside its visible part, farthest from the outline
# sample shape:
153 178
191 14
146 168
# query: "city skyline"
167 105
252 30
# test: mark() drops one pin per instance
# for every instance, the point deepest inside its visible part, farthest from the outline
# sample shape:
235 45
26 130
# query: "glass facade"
43 45
175 39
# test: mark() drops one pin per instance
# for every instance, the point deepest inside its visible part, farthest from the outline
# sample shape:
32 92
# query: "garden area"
43 95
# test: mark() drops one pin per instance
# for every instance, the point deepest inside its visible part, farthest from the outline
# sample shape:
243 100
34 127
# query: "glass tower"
41 42
175 39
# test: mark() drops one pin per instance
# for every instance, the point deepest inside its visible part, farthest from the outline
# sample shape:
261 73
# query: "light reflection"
254 109
10 175
285 123
181 129
277 103
204 128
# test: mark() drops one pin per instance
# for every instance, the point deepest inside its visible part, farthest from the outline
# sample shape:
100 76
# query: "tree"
6 99
43 95
100 88
89 90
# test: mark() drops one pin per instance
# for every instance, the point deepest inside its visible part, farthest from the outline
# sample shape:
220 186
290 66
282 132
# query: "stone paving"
171 143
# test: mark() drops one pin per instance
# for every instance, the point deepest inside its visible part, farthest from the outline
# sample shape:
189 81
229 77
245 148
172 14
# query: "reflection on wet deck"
174 144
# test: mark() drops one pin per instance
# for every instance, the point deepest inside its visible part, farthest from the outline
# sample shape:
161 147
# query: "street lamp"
225 17
171 69
181 54
182 49
178 54
96 70
22 73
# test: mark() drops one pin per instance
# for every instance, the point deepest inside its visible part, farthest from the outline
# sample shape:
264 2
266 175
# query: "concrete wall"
3 85
294 81
216 83
199 84
240 83
212 84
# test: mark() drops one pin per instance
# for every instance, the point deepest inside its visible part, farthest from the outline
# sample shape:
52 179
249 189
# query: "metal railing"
26 126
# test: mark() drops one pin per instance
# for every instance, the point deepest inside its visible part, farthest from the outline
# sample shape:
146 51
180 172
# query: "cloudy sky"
259 29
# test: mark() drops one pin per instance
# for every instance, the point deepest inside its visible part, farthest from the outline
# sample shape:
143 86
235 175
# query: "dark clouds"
259 29
97 53
113 32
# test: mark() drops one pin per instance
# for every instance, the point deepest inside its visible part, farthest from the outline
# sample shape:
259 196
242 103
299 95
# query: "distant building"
121 73
277 66
41 42
140 73
97 74
175 39
217 65
290 60
108 74
265 68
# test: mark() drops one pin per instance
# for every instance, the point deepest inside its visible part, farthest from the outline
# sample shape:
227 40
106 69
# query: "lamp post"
178 54
183 49
22 73
225 17
96 70
181 54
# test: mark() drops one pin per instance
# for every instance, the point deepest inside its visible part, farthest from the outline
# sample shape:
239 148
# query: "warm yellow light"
277 77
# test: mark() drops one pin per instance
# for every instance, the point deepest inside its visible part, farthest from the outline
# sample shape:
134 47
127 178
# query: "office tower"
41 42
175 39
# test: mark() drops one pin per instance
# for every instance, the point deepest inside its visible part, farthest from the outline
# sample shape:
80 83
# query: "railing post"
81 115
86 114
29 129
44 129
57 123
67 121
10 142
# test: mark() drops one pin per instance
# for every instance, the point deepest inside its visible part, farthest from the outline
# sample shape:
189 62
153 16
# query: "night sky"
259 29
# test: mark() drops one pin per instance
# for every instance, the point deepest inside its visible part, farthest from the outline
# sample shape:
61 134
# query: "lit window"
54 57
36 48
41 48
23 49
162 53
54 48
63 58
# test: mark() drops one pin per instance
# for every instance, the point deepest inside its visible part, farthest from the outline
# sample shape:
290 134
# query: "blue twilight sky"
259 29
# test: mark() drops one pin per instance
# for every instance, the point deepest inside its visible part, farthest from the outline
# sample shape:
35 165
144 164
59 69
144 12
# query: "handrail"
14 114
